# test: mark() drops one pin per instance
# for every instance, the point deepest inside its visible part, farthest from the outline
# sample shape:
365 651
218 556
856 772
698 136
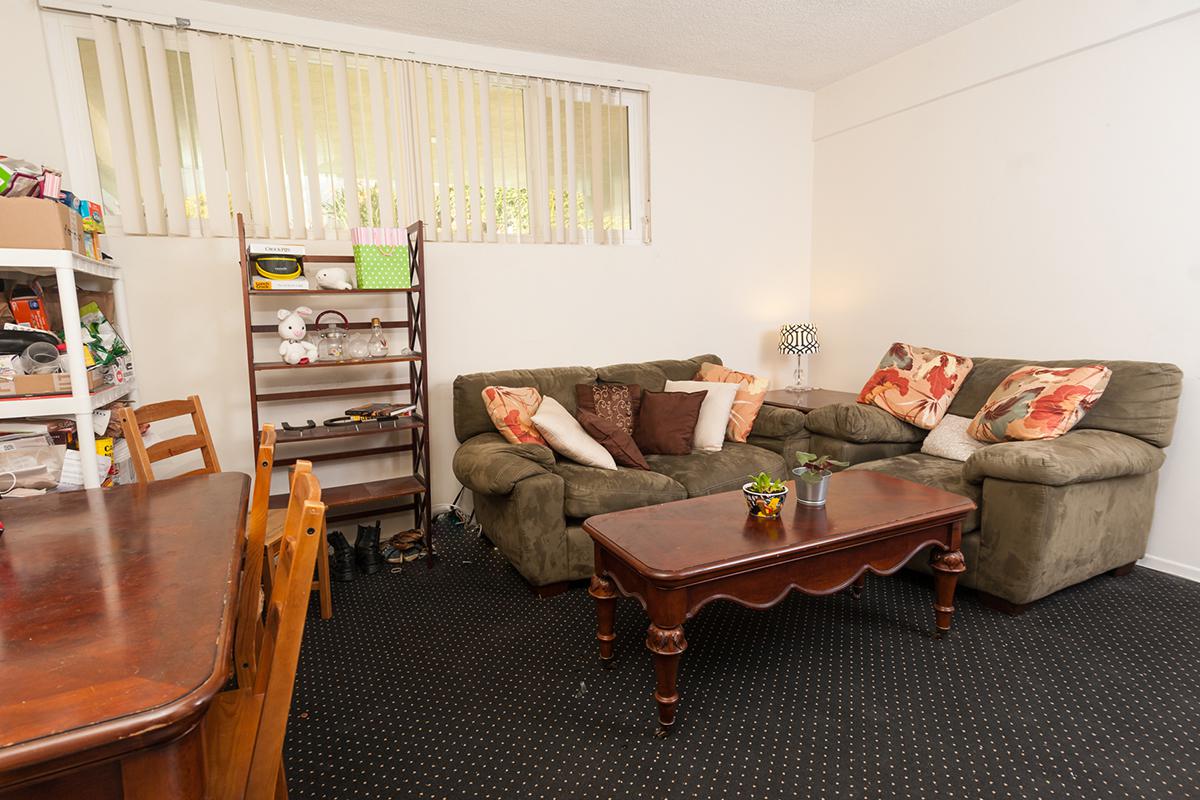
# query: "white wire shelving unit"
72 272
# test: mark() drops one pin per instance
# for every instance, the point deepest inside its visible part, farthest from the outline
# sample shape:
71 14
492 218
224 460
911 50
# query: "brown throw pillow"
614 439
666 424
616 402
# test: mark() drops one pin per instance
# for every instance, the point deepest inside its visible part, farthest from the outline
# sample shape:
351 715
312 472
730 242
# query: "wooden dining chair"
245 727
274 534
143 456
250 595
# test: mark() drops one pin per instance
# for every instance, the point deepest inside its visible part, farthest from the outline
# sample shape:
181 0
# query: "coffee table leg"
667 644
856 588
947 565
602 589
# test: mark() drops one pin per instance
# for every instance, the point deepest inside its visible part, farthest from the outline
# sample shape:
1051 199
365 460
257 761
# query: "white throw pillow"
568 438
949 439
714 411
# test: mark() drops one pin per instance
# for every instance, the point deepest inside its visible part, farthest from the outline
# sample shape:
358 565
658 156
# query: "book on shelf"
269 249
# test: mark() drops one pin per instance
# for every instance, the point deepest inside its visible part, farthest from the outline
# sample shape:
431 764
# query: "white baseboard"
1171 567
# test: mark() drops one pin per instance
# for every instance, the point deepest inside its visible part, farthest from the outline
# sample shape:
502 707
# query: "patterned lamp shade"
799 339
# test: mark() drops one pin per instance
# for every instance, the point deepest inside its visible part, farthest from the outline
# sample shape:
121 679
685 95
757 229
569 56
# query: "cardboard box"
28 306
39 224
52 383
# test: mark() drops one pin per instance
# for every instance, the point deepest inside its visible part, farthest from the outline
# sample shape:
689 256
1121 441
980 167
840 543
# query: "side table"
807 401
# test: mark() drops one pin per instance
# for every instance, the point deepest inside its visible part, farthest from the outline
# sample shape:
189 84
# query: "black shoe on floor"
341 560
366 549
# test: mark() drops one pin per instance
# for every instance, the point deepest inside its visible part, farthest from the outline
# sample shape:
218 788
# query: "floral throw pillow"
512 412
1039 403
916 384
751 392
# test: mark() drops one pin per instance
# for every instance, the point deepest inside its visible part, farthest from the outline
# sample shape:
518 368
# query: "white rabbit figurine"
295 349
333 278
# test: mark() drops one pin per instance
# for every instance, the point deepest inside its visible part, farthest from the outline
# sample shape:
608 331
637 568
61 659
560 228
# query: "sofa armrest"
1076 457
487 464
861 423
774 422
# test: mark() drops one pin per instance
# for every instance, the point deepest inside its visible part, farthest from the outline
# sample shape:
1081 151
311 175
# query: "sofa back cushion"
471 416
1141 398
653 375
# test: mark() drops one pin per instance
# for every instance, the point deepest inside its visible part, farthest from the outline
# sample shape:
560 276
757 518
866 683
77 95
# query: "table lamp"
800 340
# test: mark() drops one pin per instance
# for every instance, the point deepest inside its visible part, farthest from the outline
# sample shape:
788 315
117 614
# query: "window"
190 128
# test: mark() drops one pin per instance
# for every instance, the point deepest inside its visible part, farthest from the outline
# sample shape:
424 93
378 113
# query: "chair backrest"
144 456
286 610
249 620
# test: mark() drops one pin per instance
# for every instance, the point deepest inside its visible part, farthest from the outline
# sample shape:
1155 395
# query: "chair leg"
1122 570
281 792
323 578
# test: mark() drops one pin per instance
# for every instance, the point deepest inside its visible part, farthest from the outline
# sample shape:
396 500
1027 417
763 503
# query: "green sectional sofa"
532 505
1051 513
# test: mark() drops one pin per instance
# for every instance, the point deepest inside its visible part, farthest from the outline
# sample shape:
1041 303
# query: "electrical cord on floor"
456 515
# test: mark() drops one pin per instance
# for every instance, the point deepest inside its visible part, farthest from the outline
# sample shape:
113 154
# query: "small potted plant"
764 495
812 477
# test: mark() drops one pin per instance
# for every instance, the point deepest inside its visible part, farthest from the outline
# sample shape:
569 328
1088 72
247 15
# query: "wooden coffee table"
677 557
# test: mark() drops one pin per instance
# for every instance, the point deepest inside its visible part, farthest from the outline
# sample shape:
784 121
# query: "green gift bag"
381 258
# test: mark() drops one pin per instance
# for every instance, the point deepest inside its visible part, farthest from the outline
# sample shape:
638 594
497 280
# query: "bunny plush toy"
295 349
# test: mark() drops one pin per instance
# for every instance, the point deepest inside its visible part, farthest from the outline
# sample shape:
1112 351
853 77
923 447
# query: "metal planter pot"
811 494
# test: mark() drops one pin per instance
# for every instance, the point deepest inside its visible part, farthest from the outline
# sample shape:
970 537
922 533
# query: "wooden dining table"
116 623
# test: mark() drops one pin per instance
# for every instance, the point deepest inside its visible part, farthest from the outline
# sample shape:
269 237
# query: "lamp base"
800 378
801 388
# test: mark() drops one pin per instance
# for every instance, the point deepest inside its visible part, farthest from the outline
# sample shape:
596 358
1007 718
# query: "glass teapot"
331 339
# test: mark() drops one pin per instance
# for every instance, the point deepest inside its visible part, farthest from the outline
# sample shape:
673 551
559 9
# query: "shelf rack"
382 495
71 271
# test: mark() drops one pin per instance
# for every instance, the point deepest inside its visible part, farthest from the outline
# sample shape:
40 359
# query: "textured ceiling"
804 44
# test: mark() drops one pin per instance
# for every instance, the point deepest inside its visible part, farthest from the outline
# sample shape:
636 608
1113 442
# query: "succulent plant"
813 467
765 484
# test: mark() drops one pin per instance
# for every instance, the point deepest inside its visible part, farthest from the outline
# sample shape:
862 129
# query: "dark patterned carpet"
458 682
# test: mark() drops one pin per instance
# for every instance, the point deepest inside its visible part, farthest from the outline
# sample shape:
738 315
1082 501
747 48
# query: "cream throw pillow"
568 438
714 411
949 439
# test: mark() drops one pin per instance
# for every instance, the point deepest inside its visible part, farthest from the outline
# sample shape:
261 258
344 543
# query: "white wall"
731 179
1028 187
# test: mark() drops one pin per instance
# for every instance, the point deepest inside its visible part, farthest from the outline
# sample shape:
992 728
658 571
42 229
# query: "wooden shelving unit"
399 435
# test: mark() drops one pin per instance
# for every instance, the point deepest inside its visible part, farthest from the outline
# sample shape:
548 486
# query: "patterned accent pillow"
916 384
1039 403
512 412
751 392
618 403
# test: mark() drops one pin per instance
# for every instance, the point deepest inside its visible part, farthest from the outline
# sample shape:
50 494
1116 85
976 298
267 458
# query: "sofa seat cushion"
941 473
723 471
591 490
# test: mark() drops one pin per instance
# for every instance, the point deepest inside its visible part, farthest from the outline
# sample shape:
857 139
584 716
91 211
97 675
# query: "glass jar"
331 340
357 347
377 345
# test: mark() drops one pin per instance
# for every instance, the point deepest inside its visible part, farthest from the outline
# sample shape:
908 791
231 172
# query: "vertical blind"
194 127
